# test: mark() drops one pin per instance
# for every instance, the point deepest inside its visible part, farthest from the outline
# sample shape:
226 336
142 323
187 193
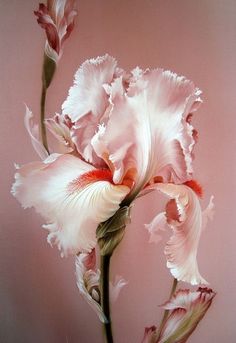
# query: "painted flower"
186 309
57 19
88 276
123 134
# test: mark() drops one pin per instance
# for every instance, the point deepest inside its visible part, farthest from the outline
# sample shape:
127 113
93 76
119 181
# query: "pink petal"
157 224
87 95
116 287
72 196
181 249
60 128
57 19
208 213
150 335
186 310
88 283
33 132
151 118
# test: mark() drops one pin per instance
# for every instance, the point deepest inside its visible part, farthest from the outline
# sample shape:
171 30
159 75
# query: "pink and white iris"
57 19
123 134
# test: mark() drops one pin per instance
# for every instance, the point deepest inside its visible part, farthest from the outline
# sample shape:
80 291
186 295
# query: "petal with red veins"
185 217
72 196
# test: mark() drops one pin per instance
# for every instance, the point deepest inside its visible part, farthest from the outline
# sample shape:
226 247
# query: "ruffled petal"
33 132
87 95
186 310
87 277
152 119
72 196
185 217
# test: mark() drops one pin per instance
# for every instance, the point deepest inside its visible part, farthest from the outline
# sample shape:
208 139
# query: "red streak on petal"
90 177
195 186
129 178
172 212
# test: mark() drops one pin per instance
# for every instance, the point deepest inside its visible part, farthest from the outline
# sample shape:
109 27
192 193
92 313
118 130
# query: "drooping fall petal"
57 19
185 217
72 196
186 310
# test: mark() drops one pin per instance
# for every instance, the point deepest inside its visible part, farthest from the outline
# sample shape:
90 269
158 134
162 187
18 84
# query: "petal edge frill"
72 196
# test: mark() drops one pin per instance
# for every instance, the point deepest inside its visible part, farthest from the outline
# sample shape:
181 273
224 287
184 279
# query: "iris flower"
120 135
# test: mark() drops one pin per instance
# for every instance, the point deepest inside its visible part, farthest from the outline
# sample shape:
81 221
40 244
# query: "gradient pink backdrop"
39 301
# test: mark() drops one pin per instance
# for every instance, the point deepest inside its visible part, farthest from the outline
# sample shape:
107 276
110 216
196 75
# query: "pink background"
39 301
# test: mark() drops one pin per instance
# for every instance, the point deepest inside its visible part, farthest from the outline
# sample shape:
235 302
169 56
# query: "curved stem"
42 117
105 304
166 312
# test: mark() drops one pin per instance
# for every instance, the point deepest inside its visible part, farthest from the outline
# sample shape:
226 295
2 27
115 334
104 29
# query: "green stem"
166 312
42 117
105 304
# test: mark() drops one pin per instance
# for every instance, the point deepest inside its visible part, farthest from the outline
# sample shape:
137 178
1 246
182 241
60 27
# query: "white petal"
87 94
72 201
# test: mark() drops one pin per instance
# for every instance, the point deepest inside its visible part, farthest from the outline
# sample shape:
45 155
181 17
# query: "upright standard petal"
151 116
87 95
186 310
185 218
72 196
87 102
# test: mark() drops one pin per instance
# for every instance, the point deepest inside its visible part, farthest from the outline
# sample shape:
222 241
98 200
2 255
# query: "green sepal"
111 232
49 68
